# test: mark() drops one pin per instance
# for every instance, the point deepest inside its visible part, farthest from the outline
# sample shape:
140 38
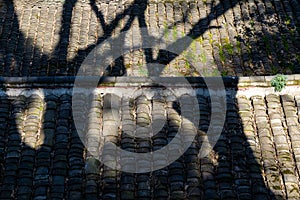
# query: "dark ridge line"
229 81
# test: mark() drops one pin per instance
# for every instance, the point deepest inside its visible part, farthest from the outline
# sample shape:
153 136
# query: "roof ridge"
67 81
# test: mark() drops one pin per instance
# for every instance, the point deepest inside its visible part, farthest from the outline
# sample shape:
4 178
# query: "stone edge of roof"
68 81
123 2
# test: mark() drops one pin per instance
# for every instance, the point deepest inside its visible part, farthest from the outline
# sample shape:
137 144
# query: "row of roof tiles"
235 38
256 156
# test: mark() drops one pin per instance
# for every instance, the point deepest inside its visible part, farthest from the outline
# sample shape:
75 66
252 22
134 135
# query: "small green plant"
224 73
202 57
248 47
252 23
279 82
127 66
221 53
274 69
200 40
175 33
229 48
239 47
166 31
211 41
287 20
298 58
285 43
249 72
227 45
187 65
206 72
142 70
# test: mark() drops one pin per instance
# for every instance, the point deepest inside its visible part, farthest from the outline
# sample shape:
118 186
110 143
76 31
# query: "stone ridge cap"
38 3
229 81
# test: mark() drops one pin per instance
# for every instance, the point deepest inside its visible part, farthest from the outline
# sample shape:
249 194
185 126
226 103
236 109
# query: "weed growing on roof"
279 82
128 66
142 71
202 57
252 23
298 58
224 73
211 41
274 69
228 46
288 20
285 43
239 47
222 54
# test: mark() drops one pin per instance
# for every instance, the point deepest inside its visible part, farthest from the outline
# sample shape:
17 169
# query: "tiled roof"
42 156
41 38
256 157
